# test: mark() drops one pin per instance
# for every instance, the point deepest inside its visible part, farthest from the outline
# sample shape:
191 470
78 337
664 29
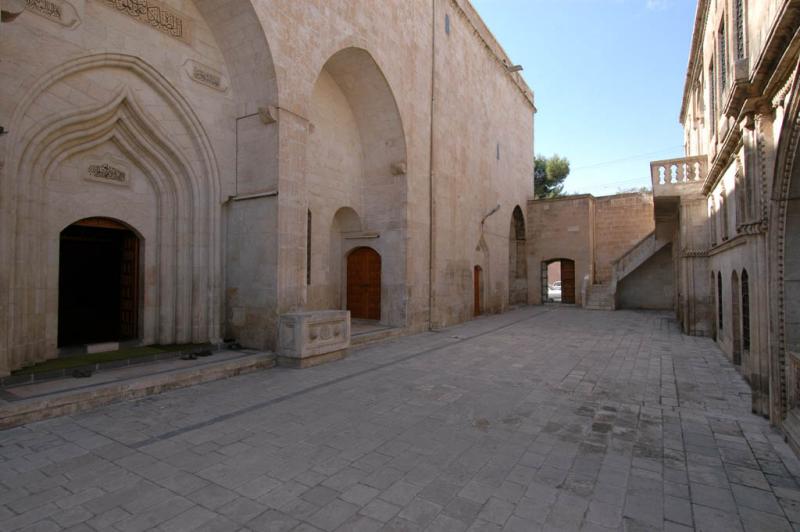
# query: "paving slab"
542 418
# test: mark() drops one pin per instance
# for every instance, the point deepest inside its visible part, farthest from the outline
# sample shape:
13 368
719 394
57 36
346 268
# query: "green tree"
549 174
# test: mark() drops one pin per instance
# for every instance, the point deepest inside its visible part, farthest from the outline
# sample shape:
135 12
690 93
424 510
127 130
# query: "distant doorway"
476 290
364 284
736 327
98 283
558 281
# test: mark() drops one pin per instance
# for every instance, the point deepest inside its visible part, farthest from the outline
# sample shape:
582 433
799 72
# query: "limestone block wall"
233 122
561 228
594 232
621 221
650 286
482 158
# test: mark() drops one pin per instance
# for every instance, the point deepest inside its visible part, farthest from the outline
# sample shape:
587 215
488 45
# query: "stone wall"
594 232
649 286
621 221
235 120
561 228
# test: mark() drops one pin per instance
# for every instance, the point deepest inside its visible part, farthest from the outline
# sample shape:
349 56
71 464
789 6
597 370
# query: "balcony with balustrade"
673 178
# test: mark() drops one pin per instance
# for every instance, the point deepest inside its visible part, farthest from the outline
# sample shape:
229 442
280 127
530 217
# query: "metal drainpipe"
431 200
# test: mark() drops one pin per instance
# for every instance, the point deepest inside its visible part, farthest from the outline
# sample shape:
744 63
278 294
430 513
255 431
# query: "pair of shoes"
82 373
188 356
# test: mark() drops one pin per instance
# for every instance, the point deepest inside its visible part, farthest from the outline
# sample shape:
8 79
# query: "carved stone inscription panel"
156 15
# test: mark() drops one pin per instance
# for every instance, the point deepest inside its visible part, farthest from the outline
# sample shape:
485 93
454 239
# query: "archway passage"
364 284
558 281
98 283
476 290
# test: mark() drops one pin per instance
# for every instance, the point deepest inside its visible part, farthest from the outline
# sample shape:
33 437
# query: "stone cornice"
488 39
729 244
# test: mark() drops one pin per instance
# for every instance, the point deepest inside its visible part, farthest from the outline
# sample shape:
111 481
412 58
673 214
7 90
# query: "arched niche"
356 157
517 260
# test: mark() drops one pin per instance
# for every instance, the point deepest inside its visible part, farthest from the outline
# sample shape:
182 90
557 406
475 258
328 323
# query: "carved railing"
672 175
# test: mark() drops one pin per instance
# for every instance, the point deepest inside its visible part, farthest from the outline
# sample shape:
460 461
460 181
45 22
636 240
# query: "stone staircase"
600 297
636 256
604 296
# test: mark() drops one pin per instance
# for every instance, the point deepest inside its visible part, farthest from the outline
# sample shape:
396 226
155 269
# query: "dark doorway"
476 290
364 284
98 283
558 281
736 320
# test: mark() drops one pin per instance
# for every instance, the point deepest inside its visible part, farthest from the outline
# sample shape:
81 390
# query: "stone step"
372 337
39 401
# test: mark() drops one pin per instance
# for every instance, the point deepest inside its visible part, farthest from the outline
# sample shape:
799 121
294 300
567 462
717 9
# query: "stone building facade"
731 204
606 245
198 168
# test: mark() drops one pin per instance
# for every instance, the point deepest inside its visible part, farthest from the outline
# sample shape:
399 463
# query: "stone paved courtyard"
542 418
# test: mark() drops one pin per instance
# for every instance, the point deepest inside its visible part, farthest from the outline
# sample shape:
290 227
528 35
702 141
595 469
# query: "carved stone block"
306 339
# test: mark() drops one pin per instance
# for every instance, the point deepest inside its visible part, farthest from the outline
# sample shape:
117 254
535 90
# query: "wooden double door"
364 284
98 289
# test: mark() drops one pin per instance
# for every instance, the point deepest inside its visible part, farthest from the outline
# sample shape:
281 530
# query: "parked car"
554 292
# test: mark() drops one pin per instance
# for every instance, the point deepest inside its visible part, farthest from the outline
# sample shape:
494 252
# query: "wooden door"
364 284
476 290
568 281
129 288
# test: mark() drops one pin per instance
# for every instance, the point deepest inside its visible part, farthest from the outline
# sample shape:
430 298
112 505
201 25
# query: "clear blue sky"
608 80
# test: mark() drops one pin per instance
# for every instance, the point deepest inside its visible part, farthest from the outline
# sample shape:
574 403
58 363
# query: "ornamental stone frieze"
58 11
107 169
156 15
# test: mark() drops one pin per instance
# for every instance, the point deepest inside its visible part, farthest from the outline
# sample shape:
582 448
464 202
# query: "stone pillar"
293 212
252 233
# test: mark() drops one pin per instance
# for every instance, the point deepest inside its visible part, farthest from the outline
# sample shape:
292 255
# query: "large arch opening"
558 281
98 283
517 260
356 157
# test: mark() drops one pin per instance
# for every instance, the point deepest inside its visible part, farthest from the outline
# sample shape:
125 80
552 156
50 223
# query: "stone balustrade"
673 177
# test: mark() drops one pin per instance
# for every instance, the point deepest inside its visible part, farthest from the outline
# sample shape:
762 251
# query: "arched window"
745 311
719 300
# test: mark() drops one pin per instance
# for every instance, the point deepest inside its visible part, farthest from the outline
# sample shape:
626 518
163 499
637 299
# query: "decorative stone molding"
189 218
307 339
205 75
780 97
694 253
58 11
156 15
752 228
108 169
